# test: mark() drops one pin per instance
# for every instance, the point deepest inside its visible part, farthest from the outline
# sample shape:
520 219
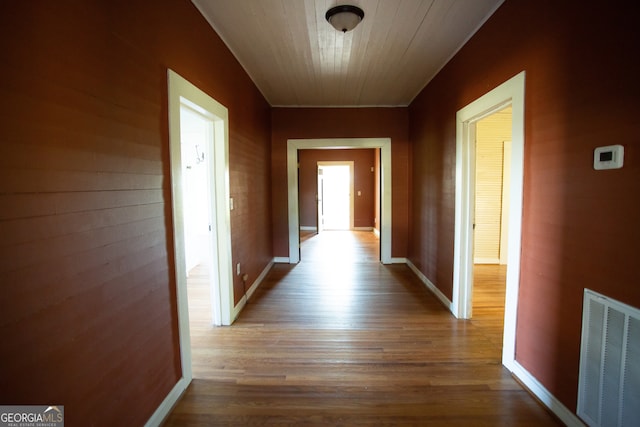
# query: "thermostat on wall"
609 157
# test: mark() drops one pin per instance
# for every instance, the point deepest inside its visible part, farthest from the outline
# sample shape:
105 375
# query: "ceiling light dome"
344 18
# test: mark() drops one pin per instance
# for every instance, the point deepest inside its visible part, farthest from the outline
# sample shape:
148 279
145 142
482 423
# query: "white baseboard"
362 228
398 260
308 228
168 403
259 280
486 260
243 301
443 299
281 260
545 397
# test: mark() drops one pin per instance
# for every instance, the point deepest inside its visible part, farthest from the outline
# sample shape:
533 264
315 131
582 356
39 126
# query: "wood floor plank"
340 339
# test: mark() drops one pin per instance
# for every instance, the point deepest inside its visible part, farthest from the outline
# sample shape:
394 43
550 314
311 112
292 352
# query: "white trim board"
494 261
434 290
167 404
545 397
511 93
245 298
293 145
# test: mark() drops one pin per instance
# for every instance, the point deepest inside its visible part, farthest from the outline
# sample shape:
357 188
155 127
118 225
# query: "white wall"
194 131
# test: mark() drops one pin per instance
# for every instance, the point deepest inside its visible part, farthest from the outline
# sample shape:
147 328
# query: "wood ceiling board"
296 58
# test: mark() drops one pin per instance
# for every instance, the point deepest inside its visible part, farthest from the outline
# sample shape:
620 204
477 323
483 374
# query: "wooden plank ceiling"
296 58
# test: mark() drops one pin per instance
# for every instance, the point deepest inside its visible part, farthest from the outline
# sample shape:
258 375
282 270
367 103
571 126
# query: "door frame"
293 145
182 92
511 93
350 164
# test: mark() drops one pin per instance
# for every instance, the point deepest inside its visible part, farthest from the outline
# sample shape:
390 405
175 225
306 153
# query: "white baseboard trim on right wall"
443 299
545 397
529 381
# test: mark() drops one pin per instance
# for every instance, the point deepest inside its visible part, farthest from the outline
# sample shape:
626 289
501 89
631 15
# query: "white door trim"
511 93
293 145
182 92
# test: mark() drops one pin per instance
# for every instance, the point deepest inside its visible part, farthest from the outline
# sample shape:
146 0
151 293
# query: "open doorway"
491 218
335 195
189 106
509 93
302 220
203 288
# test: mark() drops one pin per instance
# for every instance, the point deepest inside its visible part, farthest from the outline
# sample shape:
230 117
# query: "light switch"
231 203
359 193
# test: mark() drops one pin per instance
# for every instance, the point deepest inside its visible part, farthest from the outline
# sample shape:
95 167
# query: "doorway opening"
203 288
491 215
384 217
335 196
203 122
510 93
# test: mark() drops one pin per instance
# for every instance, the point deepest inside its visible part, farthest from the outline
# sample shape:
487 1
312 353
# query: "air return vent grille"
609 385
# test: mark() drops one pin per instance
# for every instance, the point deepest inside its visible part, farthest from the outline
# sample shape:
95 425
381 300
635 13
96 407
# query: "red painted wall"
301 123
88 313
580 226
363 181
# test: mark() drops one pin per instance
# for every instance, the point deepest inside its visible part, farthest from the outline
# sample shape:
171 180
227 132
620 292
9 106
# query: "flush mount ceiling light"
344 18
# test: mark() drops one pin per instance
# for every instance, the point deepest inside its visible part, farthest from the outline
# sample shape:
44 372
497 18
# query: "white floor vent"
609 384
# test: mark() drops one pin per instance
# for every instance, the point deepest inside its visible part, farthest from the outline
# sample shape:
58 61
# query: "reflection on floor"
340 339
341 247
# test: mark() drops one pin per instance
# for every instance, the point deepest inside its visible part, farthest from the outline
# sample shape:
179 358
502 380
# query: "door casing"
293 145
511 93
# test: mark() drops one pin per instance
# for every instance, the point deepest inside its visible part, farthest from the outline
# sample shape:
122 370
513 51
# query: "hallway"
340 339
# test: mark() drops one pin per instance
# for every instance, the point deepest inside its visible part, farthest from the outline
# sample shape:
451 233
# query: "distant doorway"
335 195
385 221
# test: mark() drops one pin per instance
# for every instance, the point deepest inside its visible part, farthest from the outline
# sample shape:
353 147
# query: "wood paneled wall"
363 161
88 314
300 123
580 226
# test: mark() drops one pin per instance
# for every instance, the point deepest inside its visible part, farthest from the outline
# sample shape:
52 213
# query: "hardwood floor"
340 339
488 301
